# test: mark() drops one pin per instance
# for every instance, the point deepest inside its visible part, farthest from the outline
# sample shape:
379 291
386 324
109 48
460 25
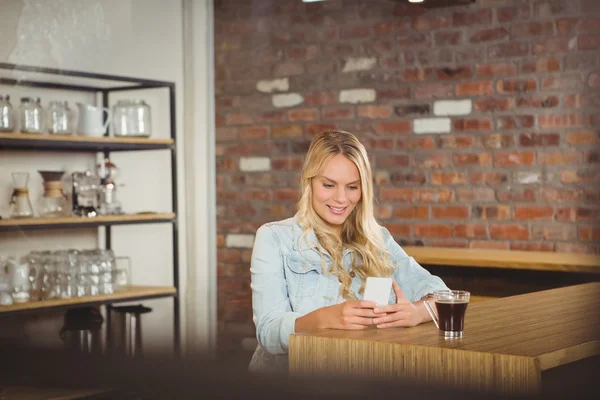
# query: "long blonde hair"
360 231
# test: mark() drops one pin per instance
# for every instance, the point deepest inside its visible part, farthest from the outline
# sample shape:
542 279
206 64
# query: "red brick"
532 29
455 141
488 178
393 94
431 161
287 194
432 230
434 195
226 134
579 176
515 122
560 121
220 240
430 23
238 119
472 125
391 161
448 38
226 164
443 212
576 248
481 159
509 231
510 14
489 35
475 195
554 231
320 98
551 46
588 24
287 131
589 42
229 256
488 104
272 116
495 70
469 231
398 230
419 142
227 195
537 102
529 246
448 243
448 178
566 26
516 86
500 212
434 90
591 157
396 195
383 211
303 114
337 113
510 159
574 101
480 17
314 129
525 213
589 233
462 72
410 212
562 83
379 144
594 80
539 139
356 32
395 26
562 158
257 195
303 53
407 178
286 163
474 88
416 74
505 50
381 178
393 127
557 195
279 211
255 132
485 244
374 112
543 65
497 141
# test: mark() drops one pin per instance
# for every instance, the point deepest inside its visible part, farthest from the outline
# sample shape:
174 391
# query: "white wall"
140 38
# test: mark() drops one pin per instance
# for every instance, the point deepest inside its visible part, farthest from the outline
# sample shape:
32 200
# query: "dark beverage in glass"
451 306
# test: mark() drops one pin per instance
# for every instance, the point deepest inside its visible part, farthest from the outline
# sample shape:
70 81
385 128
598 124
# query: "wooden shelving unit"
31 142
83 222
129 293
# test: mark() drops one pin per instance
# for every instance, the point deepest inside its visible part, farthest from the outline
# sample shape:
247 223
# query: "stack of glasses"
64 274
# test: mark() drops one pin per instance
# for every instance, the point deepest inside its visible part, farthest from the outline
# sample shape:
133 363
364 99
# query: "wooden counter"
512 259
508 343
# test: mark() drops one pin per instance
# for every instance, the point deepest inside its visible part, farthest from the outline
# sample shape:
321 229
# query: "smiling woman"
309 271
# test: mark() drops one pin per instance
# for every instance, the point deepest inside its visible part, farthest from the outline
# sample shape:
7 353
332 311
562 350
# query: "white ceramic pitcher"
90 122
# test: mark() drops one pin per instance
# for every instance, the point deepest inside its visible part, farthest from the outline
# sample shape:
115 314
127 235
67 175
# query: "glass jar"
131 118
7 115
60 118
31 115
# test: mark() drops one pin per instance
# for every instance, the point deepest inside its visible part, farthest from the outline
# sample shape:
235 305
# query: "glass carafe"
7 116
53 203
20 205
131 118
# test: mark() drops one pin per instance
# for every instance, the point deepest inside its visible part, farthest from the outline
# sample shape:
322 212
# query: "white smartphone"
378 290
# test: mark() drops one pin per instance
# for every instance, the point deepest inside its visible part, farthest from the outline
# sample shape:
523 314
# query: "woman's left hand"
403 313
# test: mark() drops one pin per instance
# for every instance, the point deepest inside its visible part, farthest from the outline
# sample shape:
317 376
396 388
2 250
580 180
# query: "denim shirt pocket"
303 279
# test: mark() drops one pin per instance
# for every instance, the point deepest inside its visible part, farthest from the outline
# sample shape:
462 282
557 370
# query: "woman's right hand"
350 315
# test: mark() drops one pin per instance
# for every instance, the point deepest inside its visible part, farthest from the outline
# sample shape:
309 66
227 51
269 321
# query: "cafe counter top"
507 344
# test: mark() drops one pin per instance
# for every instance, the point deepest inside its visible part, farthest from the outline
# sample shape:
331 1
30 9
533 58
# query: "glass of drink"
451 306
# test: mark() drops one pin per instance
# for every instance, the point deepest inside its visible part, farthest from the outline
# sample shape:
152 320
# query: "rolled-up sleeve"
272 312
414 280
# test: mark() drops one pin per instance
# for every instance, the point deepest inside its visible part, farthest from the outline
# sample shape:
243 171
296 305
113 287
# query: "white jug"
90 120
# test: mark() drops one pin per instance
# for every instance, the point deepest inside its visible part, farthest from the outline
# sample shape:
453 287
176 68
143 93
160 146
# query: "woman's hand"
403 313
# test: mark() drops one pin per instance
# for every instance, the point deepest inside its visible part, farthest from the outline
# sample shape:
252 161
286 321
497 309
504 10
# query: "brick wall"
479 121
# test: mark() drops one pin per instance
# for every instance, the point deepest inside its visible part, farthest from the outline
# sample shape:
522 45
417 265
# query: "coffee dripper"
20 205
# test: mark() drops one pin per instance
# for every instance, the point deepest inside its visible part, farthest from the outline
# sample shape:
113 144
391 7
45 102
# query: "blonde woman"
309 271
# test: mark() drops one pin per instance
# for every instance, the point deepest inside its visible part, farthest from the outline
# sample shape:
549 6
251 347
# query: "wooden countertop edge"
513 259
568 355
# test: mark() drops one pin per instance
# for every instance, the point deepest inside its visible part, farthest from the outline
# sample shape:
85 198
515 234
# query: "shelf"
29 141
130 293
83 222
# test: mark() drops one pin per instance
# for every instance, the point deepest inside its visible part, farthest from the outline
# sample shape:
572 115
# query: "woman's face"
336 191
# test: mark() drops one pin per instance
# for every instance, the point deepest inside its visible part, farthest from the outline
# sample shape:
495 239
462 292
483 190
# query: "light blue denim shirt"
288 282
